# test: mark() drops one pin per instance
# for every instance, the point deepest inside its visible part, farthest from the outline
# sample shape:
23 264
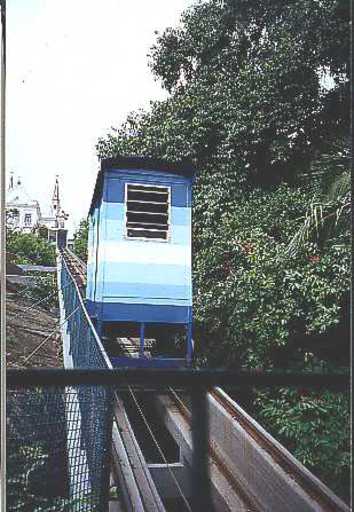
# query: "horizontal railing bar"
171 377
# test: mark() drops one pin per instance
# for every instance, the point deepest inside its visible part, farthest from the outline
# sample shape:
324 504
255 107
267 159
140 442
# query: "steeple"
11 183
56 198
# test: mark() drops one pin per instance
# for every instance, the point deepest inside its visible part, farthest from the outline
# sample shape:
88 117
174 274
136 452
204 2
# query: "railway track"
129 470
77 269
311 493
326 500
257 471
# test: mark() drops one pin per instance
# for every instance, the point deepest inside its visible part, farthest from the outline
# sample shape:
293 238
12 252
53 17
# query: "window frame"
25 223
141 238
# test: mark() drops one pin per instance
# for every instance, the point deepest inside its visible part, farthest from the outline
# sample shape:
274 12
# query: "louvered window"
147 211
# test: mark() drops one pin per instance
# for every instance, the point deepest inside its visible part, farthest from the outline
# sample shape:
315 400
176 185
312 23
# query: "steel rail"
248 500
313 487
310 484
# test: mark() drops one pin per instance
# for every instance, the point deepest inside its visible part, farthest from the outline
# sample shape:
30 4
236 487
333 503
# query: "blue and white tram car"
139 247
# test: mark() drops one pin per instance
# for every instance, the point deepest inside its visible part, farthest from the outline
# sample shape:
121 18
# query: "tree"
43 232
246 94
248 106
259 101
323 219
29 248
81 240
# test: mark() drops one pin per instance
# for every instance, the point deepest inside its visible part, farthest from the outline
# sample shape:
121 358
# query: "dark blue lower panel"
147 313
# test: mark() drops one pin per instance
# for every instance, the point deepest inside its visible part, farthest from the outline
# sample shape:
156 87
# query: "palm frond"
322 219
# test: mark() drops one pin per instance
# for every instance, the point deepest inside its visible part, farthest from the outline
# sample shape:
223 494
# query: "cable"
39 301
138 453
49 336
26 288
159 449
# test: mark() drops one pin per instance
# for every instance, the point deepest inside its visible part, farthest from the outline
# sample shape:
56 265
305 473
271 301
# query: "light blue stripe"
142 273
116 211
180 235
91 266
112 224
115 289
181 216
113 211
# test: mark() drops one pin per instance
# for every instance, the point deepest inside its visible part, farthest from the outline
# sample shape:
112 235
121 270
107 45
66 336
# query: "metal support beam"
189 344
142 339
201 497
3 262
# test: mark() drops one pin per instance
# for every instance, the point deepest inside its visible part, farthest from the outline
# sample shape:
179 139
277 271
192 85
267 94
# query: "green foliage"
80 240
259 101
29 248
247 98
240 31
29 460
43 232
29 464
315 426
248 105
251 298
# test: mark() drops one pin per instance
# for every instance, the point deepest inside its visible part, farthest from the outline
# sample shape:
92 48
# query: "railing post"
142 339
189 344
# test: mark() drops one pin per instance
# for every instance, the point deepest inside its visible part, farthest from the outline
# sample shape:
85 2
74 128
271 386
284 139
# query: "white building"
24 213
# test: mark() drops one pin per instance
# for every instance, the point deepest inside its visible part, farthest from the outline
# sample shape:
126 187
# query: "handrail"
158 377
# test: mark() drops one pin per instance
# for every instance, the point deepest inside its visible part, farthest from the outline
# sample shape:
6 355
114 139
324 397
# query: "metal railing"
86 349
57 446
50 442
60 421
59 436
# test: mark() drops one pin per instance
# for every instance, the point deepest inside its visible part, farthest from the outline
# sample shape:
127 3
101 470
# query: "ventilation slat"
146 225
146 202
147 188
147 212
143 233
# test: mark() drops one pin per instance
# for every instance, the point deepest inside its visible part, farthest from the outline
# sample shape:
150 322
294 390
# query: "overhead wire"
49 336
143 467
39 302
25 289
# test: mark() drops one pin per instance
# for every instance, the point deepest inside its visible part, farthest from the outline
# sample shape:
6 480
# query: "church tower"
57 212
56 201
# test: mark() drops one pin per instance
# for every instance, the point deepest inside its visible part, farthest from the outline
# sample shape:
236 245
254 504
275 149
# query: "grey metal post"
201 498
142 339
3 263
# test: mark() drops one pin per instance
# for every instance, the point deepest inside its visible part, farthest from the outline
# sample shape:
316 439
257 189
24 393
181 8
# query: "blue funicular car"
139 250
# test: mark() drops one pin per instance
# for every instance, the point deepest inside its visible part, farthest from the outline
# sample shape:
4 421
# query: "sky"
74 69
